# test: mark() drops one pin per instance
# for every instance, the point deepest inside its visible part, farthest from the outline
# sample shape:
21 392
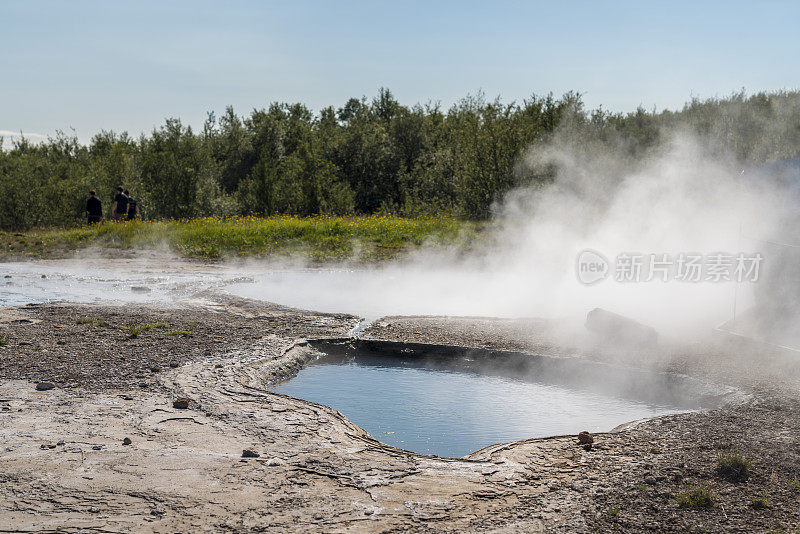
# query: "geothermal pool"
451 405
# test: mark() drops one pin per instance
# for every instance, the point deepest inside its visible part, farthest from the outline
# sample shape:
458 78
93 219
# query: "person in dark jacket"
119 210
133 207
94 208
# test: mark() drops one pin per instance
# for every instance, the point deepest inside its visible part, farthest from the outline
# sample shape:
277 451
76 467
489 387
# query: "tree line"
366 157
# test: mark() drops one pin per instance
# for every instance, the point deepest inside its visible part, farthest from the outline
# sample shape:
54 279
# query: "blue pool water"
430 409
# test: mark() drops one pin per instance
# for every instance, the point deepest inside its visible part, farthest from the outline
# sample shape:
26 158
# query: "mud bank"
64 464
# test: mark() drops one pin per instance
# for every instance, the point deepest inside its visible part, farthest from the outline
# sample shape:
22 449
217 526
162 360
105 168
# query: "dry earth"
64 466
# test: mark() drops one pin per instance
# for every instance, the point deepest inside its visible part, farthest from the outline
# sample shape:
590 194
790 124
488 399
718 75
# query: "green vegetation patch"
734 466
133 330
317 238
696 497
91 321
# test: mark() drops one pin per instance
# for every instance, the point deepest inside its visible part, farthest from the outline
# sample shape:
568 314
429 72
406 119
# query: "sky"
127 66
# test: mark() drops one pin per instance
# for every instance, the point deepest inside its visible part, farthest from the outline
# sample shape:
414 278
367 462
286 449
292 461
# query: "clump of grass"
613 511
641 487
91 321
734 466
177 333
759 503
696 497
132 330
3 340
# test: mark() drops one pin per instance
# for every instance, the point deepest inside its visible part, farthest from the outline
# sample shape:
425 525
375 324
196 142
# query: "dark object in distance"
615 328
584 438
94 209
44 386
250 453
127 441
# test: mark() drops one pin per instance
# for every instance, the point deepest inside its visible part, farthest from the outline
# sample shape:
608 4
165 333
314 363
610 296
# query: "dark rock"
181 403
584 438
250 453
155 369
218 366
127 441
174 365
97 447
650 481
44 386
587 447
140 289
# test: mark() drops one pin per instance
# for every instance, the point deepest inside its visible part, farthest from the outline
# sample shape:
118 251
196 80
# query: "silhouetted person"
94 208
120 208
133 207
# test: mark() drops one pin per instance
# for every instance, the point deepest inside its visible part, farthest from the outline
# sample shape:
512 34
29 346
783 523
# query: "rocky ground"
65 463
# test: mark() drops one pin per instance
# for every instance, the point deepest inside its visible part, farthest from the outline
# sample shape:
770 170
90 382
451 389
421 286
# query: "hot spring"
451 401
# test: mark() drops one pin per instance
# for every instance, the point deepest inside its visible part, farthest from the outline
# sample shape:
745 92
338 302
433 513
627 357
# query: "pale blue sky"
92 65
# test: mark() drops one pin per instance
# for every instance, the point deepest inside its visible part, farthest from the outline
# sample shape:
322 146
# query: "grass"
177 333
696 497
132 330
759 503
3 340
613 511
91 321
320 238
734 466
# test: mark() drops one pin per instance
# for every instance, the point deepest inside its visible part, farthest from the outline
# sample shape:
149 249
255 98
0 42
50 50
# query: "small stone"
97 447
274 461
141 289
250 453
143 385
650 480
585 438
174 365
181 403
94 510
44 276
218 366
44 386
127 441
60 443
155 369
